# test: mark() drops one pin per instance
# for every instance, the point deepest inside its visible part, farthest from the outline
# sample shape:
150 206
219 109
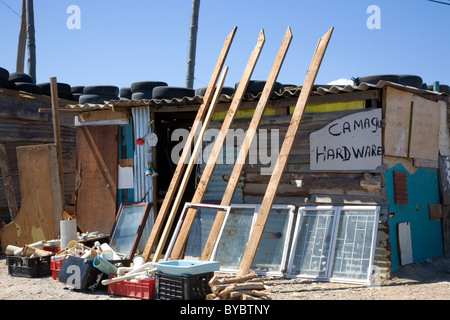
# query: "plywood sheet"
397 115
404 243
97 166
425 126
42 205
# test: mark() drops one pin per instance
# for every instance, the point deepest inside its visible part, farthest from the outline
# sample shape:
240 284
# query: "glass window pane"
270 256
354 242
233 240
310 257
199 233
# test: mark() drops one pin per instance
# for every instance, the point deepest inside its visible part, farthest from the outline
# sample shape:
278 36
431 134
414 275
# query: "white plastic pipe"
127 277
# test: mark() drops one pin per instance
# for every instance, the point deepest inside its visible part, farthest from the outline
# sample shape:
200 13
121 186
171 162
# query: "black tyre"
442 88
27 87
410 80
77 89
376 78
64 89
142 95
254 87
102 90
75 97
20 77
96 98
4 83
229 91
172 92
143 86
4 74
125 92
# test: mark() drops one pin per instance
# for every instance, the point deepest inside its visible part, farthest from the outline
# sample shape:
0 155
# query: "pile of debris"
248 287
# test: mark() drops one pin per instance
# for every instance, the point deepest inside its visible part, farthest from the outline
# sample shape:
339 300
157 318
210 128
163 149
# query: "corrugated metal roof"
319 90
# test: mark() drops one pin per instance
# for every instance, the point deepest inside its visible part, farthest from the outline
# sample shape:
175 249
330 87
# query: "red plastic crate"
52 249
55 266
144 289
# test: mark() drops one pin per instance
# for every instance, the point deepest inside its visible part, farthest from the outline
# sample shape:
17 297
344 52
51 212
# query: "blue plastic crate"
187 267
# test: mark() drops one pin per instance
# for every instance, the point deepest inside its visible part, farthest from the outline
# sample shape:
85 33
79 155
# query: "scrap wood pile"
248 287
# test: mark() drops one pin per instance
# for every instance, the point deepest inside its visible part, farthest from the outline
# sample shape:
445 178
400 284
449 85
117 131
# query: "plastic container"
187 267
185 287
78 273
28 267
55 266
144 289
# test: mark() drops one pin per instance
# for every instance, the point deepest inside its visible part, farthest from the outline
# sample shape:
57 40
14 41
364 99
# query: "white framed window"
334 243
271 257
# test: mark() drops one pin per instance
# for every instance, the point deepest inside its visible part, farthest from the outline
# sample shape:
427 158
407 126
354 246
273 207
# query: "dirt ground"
426 281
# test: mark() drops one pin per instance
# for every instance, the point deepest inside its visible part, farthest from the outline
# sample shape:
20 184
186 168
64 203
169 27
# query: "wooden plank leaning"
164 209
266 206
190 167
267 91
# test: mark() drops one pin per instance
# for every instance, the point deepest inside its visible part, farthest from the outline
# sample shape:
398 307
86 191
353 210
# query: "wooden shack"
383 146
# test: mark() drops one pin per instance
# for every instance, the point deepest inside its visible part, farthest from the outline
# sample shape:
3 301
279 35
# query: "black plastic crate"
185 287
28 267
80 273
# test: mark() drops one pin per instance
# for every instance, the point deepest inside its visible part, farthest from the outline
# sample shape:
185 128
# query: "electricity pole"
192 44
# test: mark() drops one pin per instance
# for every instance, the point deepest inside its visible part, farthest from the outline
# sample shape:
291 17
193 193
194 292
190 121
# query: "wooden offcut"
201 113
189 168
97 167
266 206
8 183
41 202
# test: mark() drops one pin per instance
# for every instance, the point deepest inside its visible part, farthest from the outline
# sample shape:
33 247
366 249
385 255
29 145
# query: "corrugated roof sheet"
318 90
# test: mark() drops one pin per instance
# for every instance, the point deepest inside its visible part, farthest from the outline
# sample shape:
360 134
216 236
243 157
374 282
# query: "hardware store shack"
365 189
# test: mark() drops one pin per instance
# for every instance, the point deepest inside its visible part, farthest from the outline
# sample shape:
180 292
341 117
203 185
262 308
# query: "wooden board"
398 117
8 182
404 243
446 229
352 142
201 113
425 126
40 189
97 167
266 206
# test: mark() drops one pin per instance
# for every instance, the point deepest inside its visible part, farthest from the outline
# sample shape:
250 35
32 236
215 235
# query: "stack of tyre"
229 91
64 90
403 79
4 78
98 94
77 92
125 93
23 82
143 90
255 87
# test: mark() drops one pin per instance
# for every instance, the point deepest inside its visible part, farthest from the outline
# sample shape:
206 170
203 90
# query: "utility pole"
31 40
22 39
192 44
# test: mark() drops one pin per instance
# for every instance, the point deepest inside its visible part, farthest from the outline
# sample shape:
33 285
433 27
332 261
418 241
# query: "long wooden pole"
31 41
58 143
189 169
163 211
267 92
21 48
266 206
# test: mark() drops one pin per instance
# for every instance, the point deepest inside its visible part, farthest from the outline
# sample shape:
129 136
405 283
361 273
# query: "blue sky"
121 42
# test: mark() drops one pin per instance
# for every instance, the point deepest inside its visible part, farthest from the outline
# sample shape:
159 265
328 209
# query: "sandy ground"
426 281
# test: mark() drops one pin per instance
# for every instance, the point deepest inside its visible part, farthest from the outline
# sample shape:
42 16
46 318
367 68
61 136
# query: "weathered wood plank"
266 206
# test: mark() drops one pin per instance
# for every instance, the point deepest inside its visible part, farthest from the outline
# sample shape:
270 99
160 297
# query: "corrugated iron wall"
143 185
